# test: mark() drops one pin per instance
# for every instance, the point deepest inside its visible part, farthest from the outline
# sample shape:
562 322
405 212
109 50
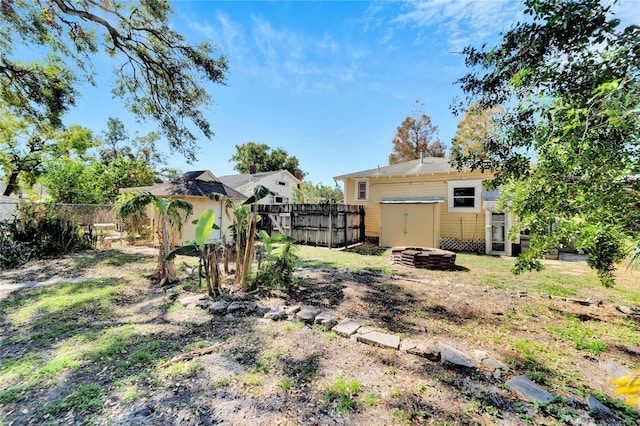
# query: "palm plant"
171 215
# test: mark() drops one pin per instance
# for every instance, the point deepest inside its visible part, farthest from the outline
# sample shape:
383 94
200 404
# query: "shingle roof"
188 185
427 165
236 181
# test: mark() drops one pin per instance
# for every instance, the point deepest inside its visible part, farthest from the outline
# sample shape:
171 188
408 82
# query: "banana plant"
171 214
207 253
243 229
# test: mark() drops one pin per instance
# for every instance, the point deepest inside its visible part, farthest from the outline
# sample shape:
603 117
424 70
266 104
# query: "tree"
264 158
416 135
26 144
571 76
113 137
171 215
476 129
317 194
158 74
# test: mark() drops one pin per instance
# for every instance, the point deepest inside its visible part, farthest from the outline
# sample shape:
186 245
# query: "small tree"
171 214
416 135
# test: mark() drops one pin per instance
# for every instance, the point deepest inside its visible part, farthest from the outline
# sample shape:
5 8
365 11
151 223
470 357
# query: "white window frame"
476 184
366 190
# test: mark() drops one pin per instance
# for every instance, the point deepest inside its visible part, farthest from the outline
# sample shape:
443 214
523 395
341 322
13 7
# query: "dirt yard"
86 340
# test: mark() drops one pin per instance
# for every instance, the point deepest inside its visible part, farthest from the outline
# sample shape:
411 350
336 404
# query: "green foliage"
38 231
25 145
276 271
156 71
171 215
567 152
308 193
265 158
342 392
414 137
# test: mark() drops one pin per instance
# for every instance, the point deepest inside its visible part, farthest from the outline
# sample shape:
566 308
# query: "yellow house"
428 203
195 187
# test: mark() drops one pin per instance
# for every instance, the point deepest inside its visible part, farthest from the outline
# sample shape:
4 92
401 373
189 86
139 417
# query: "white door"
497 233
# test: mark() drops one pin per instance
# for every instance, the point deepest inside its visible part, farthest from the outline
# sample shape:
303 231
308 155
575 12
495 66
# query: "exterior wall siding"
452 225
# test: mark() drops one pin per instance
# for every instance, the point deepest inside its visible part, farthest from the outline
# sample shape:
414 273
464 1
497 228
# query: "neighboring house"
282 183
195 187
428 203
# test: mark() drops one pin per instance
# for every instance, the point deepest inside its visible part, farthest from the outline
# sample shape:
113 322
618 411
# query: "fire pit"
423 257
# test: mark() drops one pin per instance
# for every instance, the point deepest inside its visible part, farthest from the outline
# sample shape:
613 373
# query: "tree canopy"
416 135
568 152
25 145
265 158
317 194
157 72
477 128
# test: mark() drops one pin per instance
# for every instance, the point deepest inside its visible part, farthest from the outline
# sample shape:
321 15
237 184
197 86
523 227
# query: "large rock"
292 310
240 305
453 357
496 367
276 314
598 409
421 349
347 327
529 390
380 339
219 307
326 320
307 315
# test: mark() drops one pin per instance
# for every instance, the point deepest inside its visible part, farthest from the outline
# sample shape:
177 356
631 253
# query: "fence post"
361 211
346 228
330 227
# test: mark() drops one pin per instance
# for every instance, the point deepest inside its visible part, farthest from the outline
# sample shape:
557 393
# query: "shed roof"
427 165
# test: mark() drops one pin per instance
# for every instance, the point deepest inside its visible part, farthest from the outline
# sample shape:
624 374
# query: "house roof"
236 181
427 165
200 183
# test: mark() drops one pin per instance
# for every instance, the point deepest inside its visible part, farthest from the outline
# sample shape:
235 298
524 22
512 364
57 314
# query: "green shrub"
38 231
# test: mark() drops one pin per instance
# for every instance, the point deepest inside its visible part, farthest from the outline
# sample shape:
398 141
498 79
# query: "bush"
277 270
38 232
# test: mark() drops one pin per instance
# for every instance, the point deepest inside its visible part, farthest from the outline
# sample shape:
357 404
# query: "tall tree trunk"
12 184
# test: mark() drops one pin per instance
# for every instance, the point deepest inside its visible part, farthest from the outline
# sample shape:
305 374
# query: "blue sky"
327 81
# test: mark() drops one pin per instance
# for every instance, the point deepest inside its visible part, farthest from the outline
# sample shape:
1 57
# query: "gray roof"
188 185
236 181
428 165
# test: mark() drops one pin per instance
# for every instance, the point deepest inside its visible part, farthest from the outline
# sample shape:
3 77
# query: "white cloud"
460 22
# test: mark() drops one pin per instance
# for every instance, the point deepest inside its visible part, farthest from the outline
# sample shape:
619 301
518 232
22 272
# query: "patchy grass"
95 347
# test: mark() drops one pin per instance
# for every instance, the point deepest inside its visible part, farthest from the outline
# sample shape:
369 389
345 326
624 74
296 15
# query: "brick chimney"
298 174
252 169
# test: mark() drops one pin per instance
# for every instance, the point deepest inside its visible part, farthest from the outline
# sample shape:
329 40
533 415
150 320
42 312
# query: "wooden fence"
325 225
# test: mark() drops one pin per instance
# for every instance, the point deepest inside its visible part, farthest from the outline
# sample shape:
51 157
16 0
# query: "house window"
464 196
362 190
282 183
